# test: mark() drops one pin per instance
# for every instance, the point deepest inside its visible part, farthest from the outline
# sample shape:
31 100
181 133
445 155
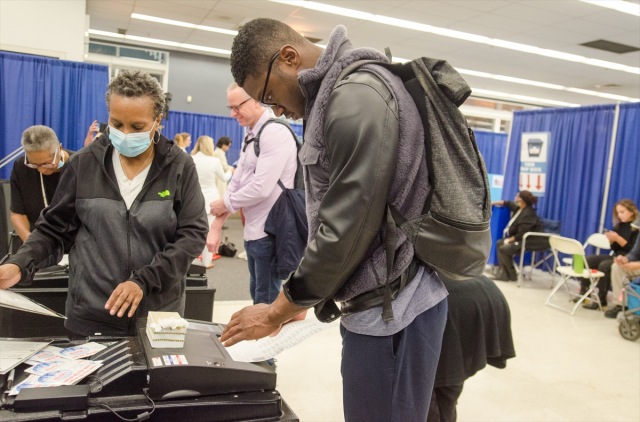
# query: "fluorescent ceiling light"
183 24
161 42
465 35
522 97
619 5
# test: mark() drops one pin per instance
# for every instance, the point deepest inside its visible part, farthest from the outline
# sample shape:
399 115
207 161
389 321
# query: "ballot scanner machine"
199 382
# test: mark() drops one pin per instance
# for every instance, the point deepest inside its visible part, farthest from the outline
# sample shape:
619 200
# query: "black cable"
141 417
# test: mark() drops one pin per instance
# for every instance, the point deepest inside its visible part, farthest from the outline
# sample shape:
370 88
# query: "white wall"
45 27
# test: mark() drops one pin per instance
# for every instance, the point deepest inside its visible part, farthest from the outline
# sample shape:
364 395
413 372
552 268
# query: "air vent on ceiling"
611 46
607 86
122 31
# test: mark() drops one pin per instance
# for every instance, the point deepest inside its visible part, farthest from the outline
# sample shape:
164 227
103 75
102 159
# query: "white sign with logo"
534 151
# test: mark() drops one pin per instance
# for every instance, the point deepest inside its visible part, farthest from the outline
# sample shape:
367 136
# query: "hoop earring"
155 142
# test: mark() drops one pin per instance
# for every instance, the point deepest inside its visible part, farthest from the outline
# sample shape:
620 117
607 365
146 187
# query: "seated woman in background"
524 219
622 239
183 140
209 168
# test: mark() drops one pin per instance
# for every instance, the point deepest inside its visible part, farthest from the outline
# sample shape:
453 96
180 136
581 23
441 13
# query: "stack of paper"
13 353
53 366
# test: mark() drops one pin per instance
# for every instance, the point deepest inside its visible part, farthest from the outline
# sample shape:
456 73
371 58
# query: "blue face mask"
61 161
132 144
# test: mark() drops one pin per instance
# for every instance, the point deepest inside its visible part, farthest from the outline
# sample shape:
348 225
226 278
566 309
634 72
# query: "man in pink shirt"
254 188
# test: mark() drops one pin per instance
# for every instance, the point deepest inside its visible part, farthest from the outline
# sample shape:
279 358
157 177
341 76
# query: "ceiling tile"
446 9
502 22
487 31
559 35
378 7
615 19
482 5
420 17
530 14
594 29
572 8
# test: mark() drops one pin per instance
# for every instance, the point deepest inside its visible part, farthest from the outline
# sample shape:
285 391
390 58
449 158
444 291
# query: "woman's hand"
612 236
498 203
213 240
10 274
127 293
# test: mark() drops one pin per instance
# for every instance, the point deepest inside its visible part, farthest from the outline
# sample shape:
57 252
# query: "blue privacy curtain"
578 155
66 96
197 125
625 173
492 146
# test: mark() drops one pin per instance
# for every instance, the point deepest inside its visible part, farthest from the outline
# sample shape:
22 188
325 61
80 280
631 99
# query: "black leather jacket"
361 133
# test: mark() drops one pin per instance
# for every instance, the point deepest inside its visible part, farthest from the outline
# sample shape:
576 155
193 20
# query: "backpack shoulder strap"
256 140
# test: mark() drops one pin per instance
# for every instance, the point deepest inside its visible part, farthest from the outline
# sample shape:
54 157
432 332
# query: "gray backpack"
452 235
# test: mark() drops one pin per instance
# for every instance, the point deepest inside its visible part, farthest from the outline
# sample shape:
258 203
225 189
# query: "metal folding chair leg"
563 282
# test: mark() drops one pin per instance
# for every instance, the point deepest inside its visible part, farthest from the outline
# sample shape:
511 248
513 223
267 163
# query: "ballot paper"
81 351
13 300
30 382
13 353
291 335
63 365
47 354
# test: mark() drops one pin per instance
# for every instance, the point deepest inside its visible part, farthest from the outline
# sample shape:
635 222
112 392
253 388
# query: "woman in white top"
209 168
223 145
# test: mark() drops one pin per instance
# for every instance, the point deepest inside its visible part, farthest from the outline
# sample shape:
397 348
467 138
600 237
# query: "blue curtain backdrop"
578 155
492 146
625 173
197 125
66 96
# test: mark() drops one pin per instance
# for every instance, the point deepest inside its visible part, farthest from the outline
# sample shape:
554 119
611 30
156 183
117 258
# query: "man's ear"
289 59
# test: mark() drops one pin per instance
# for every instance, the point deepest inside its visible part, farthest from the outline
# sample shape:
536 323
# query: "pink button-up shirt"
254 186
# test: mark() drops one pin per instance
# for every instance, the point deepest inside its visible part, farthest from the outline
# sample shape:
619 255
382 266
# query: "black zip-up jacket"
527 221
152 244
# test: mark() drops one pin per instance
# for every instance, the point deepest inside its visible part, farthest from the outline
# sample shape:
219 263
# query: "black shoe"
613 312
593 306
502 276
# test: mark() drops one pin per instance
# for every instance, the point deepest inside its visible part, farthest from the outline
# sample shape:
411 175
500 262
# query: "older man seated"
35 177
628 267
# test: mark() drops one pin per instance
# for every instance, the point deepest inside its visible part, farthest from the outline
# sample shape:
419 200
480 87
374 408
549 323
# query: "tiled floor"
568 368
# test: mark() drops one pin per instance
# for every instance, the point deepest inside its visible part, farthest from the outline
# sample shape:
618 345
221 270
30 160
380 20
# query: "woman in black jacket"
622 239
523 220
130 207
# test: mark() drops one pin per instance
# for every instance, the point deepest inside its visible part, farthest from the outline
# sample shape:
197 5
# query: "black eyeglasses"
266 82
237 108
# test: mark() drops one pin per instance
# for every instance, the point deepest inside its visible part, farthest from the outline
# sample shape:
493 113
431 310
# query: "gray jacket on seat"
151 244
364 148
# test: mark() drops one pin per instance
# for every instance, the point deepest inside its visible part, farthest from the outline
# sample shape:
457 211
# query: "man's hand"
10 274
621 260
213 239
127 293
631 266
299 317
218 207
258 321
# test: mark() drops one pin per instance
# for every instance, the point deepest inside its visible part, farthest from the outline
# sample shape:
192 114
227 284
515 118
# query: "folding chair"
568 246
598 240
551 227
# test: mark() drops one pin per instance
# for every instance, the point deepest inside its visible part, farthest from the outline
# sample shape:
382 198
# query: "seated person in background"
183 140
223 146
478 332
35 177
623 266
131 206
622 239
210 171
524 219
92 134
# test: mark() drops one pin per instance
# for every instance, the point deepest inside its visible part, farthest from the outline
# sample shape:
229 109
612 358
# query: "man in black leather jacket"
363 148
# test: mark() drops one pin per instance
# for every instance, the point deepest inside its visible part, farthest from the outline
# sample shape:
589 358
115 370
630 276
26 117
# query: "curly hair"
630 206
256 43
134 84
224 140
